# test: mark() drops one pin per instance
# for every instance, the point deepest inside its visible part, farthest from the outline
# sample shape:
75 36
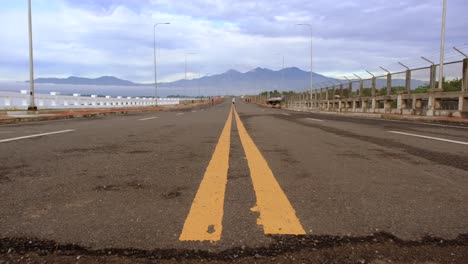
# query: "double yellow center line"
204 222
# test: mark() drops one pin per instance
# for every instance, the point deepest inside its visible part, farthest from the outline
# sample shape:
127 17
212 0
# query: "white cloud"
110 37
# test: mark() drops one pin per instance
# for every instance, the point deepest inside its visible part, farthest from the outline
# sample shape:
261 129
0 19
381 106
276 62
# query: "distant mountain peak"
259 69
231 71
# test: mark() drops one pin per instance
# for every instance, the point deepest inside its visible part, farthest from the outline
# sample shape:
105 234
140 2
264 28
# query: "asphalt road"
295 186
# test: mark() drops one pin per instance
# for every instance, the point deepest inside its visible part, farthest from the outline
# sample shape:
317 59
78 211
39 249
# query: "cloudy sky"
115 37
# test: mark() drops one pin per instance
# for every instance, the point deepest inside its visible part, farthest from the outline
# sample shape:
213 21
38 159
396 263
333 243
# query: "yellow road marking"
276 212
204 222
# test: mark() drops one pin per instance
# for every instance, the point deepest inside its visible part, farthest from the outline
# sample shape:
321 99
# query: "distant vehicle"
275 102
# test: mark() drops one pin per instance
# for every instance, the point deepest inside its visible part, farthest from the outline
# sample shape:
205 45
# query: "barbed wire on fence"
452 55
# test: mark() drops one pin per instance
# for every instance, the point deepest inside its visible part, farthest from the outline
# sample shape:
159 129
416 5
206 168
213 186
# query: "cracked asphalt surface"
118 189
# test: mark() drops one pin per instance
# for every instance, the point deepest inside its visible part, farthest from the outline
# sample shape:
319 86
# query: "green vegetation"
276 93
449 86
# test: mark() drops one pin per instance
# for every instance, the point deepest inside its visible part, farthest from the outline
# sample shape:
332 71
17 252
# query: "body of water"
113 91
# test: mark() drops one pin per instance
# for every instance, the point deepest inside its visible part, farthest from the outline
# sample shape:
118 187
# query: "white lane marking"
149 118
313 119
412 122
286 114
37 135
427 137
179 113
194 111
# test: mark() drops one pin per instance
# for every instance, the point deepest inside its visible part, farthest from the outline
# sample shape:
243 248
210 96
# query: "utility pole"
187 53
32 105
442 46
155 72
311 50
282 75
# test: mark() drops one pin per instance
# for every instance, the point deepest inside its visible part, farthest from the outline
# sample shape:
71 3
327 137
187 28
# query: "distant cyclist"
233 100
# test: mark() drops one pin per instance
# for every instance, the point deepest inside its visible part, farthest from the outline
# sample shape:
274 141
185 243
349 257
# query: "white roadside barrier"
54 100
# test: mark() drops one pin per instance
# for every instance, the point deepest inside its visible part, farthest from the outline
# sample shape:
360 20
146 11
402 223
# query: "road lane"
377 133
351 177
114 182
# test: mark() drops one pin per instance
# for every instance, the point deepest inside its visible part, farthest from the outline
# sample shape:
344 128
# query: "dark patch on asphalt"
211 229
118 187
353 155
4 179
439 158
106 188
290 161
304 175
172 194
391 155
284 246
7 170
139 152
99 149
237 176
190 156
276 150
135 185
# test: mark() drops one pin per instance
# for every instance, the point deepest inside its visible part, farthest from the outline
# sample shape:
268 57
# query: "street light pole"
442 45
155 67
187 53
32 105
282 75
311 49
282 72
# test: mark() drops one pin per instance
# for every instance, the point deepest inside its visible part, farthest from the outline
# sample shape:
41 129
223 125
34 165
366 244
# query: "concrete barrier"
54 100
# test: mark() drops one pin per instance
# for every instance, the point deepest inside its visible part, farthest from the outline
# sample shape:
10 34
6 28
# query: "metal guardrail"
20 101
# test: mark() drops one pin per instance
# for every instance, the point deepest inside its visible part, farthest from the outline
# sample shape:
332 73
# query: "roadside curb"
89 113
14 120
421 119
424 119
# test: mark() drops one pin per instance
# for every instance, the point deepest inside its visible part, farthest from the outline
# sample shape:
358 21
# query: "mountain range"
230 82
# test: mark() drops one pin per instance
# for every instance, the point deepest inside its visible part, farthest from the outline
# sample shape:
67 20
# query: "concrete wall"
20 101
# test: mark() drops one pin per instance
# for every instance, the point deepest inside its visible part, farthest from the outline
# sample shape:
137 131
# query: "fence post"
327 98
432 77
408 81
465 75
389 84
373 86
361 87
321 99
373 93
